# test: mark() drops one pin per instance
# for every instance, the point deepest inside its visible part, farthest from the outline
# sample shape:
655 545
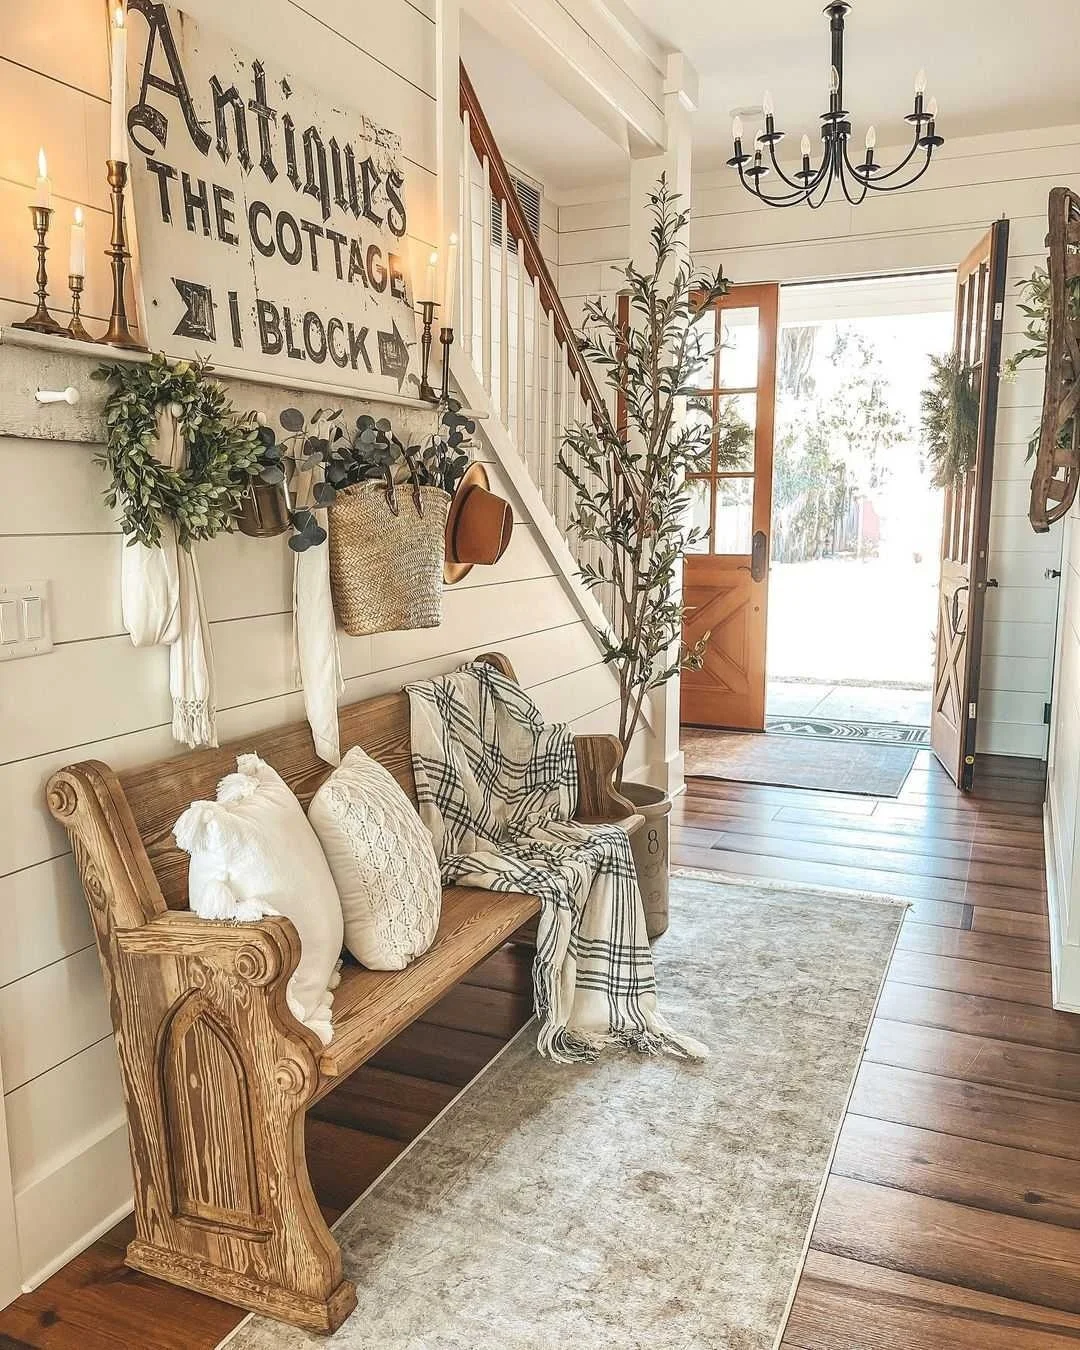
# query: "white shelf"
100 351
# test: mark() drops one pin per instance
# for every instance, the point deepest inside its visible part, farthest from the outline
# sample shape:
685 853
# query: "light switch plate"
25 619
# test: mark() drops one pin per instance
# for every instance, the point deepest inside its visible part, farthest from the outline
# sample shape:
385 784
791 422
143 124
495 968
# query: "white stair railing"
515 330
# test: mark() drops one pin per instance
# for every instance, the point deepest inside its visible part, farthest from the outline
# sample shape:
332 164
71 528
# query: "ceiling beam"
587 57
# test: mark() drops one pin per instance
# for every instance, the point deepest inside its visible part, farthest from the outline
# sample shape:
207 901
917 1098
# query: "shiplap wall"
97 696
931 225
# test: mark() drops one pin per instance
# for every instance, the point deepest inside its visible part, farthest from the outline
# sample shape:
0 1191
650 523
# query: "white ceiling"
994 65
537 129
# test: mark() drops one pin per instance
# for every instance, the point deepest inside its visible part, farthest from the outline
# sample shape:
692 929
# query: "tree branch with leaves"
630 482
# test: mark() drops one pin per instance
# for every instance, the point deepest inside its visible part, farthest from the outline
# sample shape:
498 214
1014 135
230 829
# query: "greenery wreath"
223 450
950 419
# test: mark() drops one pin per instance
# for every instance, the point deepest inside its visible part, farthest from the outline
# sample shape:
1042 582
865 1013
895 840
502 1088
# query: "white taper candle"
43 188
77 257
118 146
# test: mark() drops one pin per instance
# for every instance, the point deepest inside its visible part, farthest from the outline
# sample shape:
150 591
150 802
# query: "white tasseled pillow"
383 861
253 853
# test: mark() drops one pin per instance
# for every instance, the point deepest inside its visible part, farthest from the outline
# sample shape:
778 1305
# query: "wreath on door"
950 419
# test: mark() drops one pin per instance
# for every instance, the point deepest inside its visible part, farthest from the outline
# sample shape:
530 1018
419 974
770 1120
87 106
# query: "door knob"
1052 573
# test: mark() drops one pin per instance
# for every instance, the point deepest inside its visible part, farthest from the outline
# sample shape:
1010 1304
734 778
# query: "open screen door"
726 581
965 542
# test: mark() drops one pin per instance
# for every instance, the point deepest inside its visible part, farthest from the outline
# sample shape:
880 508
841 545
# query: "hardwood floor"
951 1217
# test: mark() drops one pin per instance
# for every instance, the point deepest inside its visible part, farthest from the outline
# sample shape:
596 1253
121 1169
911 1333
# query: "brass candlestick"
118 334
41 321
427 311
75 328
446 337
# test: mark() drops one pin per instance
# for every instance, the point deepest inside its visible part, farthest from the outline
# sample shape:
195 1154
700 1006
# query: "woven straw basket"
387 545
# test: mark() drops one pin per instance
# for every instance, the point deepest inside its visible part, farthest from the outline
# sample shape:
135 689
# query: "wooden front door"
965 542
726 581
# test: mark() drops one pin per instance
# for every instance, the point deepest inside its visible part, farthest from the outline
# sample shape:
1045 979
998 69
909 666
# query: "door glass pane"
736 424
703 333
698 515
739 348
734 515
702 417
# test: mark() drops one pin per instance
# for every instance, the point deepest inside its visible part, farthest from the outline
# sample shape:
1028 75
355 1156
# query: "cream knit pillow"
383 862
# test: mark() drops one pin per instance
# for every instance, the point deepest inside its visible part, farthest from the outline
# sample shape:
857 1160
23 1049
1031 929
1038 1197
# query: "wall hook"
68 395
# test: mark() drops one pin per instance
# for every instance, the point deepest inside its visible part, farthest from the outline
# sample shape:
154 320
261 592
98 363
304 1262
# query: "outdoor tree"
832 445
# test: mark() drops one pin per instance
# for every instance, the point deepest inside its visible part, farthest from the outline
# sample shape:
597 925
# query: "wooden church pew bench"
217 1073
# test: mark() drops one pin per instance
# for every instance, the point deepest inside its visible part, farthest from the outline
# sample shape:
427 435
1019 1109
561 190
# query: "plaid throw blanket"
497 789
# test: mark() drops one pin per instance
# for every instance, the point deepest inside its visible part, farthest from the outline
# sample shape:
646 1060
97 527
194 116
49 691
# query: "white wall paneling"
95 696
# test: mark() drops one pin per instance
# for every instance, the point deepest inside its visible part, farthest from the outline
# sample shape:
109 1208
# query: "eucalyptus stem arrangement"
345 457
630 483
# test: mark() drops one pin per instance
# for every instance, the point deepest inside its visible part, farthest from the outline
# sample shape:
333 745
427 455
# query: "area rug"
633 1202
867 769
848 729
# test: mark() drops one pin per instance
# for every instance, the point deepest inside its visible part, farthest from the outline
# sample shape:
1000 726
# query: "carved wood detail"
217 1073
206 1109
1057 463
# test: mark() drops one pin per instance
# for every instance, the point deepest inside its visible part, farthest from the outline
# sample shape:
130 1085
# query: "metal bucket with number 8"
650 847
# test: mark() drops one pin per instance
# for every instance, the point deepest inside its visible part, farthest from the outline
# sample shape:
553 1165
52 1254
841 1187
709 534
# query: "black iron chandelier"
813 185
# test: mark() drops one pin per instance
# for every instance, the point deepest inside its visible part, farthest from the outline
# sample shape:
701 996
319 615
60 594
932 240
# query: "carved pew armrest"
599 802
262 955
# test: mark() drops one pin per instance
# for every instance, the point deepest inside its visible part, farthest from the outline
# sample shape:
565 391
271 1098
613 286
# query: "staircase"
517 358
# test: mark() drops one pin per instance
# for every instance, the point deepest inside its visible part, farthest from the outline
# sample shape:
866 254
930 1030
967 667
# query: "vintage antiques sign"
271 226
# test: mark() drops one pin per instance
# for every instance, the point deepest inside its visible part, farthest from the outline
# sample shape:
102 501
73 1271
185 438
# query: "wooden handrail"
483 142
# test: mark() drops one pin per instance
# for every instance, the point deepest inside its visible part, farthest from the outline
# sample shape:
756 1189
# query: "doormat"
844 729
633 1202
824 763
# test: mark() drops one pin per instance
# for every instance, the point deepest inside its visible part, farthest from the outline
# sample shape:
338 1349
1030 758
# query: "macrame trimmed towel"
498 789
162 604
317 664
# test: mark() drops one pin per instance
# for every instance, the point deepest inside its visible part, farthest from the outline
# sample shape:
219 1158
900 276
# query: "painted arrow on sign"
393 355
198 320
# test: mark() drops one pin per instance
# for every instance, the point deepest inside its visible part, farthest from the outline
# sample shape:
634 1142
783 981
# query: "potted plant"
630 493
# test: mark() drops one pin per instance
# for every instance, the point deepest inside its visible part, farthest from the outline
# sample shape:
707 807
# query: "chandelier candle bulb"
767 105
834 80
43 187
77 255
118 149
920 83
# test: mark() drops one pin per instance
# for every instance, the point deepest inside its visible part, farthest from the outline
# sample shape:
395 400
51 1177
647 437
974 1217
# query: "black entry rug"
866 768
848 729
